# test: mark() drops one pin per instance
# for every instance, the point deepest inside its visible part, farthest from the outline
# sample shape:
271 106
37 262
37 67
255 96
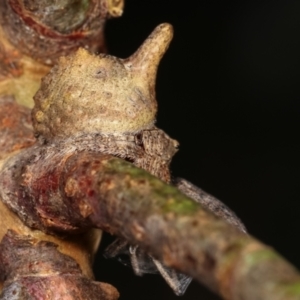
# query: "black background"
228 91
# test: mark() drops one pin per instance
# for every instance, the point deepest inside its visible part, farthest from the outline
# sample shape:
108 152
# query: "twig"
108 193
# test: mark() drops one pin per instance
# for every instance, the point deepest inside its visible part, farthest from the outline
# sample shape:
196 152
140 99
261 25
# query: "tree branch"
96 190
61 188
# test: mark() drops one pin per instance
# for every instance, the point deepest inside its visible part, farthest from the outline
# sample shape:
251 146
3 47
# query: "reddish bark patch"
15 126
37 270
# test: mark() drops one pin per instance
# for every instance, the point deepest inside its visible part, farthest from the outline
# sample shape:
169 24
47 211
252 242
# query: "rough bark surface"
33 35
58 188
46 30
16 133
34 269
113 195
20 75
15 126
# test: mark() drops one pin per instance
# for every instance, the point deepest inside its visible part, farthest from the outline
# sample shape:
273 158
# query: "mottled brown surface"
10 63
34 269
15 126
108 193
20 75
15 134
46 30
34 176
190 239
64 187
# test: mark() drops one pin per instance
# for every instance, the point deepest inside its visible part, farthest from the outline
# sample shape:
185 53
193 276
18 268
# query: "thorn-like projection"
103 94
115 7
144 62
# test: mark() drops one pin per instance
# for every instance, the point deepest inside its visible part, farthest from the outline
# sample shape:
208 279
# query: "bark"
33 34
16 133
35 269
46 30
89 189
59 191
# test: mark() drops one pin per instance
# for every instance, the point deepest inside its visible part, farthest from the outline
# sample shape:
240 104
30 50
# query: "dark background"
228 91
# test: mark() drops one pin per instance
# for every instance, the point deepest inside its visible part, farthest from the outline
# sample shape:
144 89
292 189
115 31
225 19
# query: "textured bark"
34 269
16 133
33 34
58 190
15 126
20 75
96 190
46 30
142 209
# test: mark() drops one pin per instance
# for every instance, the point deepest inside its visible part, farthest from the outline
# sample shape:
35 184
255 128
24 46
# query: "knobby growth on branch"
91 158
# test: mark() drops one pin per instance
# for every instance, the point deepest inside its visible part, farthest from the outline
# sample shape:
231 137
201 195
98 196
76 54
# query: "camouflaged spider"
112 111
117 101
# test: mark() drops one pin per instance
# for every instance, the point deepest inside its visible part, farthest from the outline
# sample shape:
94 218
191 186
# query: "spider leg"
134 260
117 247
177 281
209 202
143 263
132 256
